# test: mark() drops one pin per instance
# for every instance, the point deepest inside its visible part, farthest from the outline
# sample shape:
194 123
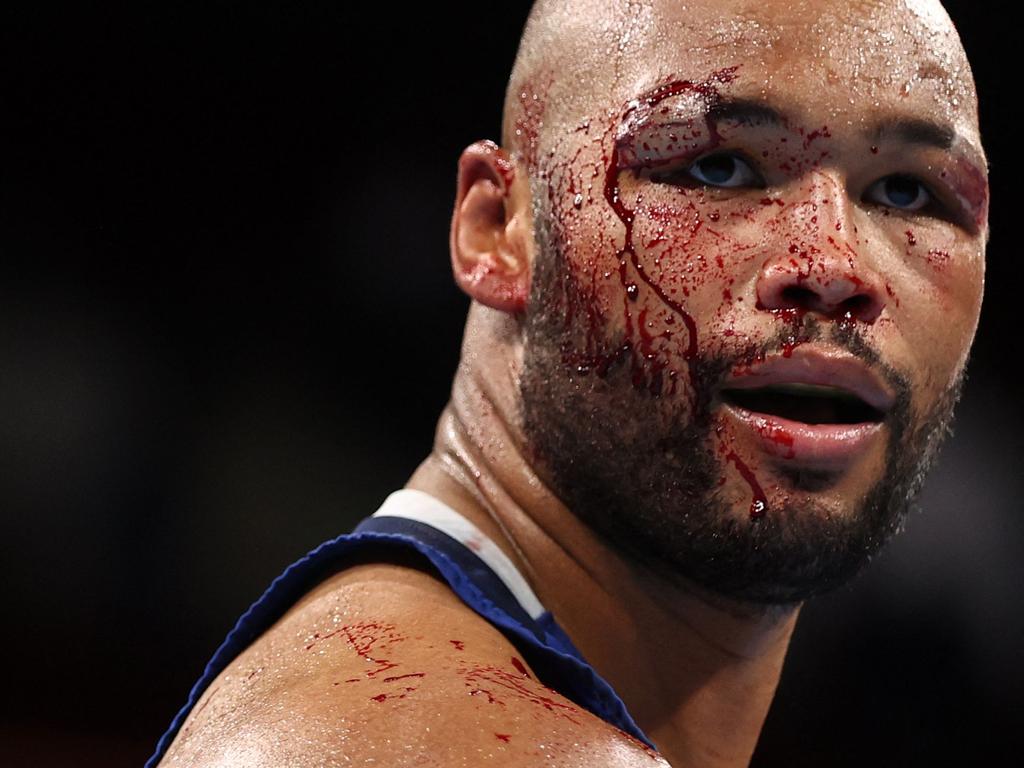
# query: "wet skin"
807 257
710 204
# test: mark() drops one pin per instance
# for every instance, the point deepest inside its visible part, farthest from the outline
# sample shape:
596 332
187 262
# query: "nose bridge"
819 266
830 203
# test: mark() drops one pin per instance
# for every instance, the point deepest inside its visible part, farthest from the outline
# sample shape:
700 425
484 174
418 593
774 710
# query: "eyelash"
933 206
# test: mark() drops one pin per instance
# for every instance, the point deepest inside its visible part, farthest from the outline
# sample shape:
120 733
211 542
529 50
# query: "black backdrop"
227 326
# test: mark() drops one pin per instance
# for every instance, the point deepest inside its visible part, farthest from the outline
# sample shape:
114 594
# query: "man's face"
760 233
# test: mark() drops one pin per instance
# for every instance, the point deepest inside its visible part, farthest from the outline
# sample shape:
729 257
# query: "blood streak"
497 684
402 677
759 504
459 645
370 639
627 255
503 737
646 366
520 667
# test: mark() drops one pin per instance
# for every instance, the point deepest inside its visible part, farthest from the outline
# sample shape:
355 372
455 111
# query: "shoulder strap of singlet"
477 571
489 583
410 504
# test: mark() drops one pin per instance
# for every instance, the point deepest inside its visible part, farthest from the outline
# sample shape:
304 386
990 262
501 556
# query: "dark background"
227 326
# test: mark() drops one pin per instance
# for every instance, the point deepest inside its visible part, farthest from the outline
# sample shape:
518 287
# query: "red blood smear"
708 91
911 240
519 667
503 737
362 637
500 681
401 677
759 505
379 697
459 644
779 436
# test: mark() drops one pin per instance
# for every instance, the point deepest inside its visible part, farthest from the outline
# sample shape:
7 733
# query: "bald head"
721 185
581 59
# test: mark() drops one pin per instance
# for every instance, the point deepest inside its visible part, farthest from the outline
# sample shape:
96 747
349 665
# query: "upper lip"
839 370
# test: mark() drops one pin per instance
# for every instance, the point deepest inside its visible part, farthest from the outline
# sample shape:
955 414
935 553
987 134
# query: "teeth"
809 390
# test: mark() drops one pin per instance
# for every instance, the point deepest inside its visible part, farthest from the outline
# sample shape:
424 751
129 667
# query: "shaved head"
572 49
720 189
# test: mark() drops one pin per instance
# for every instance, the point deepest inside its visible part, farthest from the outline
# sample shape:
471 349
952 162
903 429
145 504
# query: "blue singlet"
474 567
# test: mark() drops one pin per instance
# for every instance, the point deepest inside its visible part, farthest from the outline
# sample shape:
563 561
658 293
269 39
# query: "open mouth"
806 403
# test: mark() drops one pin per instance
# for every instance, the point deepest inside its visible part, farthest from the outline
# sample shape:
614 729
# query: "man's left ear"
491 228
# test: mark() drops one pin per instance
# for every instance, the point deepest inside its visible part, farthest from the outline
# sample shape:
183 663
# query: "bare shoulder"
383 664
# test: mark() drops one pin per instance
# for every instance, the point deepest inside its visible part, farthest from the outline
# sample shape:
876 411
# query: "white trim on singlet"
424 508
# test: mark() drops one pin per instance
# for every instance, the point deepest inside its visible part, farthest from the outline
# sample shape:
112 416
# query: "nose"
821 271
790 284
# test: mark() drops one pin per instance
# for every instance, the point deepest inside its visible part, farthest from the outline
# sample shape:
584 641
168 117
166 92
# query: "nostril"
835 293
798 296
856 304
859 306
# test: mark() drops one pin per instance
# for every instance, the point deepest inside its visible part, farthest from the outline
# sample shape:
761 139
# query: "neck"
697 673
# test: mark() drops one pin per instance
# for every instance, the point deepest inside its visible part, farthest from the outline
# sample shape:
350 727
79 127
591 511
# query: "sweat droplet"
578 200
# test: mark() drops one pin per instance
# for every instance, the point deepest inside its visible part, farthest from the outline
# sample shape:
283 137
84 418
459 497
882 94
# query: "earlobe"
490 228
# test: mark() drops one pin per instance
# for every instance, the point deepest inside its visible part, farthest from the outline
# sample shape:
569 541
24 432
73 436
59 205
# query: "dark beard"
640 470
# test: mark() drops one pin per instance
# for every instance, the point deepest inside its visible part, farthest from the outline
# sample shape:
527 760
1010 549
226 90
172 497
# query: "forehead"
841 61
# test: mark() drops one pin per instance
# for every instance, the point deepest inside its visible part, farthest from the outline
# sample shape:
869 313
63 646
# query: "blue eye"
723 170
720 169
903 192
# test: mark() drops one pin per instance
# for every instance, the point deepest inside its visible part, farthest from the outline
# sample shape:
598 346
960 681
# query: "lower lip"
824 446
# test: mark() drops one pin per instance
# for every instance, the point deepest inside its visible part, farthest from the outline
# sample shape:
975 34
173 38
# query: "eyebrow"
745 111
904 128
915 130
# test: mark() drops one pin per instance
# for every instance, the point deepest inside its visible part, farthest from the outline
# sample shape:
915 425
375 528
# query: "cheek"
942 291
